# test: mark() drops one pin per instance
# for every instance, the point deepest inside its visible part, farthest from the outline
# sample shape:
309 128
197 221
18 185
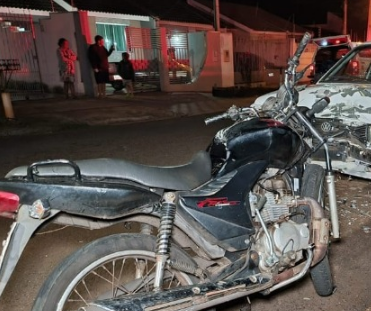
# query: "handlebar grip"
303 43
318 106
216 118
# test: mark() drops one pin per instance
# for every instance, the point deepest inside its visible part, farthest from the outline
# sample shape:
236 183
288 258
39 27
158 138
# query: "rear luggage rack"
32 169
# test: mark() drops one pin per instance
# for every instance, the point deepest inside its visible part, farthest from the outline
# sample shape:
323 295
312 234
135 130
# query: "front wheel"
313 187
112 266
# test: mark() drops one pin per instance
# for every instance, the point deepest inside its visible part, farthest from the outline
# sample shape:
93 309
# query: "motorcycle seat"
182 177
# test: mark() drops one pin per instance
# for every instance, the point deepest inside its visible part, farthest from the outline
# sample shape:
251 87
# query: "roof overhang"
185 24
119 16
9 10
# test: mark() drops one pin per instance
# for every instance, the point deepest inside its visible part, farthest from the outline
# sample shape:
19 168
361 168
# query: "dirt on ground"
349 258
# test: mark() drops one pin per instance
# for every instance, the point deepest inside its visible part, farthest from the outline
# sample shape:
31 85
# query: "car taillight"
355 67
311 70
9 202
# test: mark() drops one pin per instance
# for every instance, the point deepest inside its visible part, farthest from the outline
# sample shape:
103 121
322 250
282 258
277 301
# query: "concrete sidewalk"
37 115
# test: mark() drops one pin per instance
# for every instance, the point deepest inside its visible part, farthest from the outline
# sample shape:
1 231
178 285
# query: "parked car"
328 51
347 119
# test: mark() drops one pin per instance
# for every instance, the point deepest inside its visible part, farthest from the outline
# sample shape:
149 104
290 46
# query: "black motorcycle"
245 216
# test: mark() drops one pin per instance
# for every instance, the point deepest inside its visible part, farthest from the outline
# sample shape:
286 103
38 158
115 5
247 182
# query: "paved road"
57 113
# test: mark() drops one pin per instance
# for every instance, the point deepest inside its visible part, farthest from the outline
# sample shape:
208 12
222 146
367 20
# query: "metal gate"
19 66
254 55
178 56
144 45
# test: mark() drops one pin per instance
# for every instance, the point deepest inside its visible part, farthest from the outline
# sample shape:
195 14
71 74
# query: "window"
354 67
113 34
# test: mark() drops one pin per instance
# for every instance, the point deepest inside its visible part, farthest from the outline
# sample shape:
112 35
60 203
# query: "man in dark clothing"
126 71
98 57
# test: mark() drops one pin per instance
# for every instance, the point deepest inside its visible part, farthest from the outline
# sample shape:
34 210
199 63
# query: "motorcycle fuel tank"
256 139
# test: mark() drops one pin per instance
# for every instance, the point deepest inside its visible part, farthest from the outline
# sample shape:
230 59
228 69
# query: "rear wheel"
112 266
313 187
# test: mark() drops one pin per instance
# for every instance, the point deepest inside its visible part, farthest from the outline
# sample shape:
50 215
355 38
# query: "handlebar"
234 113
318 106
303 43
216 118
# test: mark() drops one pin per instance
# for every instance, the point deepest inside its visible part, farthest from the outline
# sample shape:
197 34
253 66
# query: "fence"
17 38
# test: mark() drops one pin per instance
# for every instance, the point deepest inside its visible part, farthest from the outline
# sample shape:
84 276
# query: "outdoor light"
6 24
13 28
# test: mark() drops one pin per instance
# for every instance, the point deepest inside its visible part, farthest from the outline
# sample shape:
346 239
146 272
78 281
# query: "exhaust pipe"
187 298
320 229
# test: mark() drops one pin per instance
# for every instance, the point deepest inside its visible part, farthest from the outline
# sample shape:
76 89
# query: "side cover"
97 200
221 207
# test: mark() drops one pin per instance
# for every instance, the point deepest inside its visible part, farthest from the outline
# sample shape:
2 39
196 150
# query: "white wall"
217 70
48 32
226 59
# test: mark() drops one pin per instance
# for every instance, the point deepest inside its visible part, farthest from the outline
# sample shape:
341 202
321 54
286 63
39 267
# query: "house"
43 23
262 42
173 45
17 39
168 35
333 25
159 45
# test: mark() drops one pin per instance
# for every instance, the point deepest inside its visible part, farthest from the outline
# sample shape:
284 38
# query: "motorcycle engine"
278 197
279 240
282 247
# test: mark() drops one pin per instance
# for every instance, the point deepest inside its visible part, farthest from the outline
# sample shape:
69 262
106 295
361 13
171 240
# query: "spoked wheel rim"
114 275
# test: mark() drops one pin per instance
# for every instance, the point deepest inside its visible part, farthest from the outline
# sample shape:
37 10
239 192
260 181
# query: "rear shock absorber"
168 209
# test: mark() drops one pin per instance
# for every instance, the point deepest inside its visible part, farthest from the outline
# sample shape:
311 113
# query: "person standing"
66 63
98 57
126 71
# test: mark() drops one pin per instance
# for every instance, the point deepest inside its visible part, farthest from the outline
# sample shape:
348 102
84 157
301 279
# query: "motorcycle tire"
313 187
92 270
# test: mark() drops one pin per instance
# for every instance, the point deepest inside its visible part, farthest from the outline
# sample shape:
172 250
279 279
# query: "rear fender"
16 241
97 200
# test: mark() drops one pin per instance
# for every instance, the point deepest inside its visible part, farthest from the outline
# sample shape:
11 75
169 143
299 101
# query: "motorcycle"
245 216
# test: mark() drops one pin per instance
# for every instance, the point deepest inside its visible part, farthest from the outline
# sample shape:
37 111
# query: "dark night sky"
314 11
301 9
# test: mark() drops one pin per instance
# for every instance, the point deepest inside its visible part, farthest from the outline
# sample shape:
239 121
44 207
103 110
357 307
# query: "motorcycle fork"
329 178
168 209
330 182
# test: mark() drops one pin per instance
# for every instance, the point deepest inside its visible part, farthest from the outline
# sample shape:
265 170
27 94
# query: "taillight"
311 70
354 64
9 202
